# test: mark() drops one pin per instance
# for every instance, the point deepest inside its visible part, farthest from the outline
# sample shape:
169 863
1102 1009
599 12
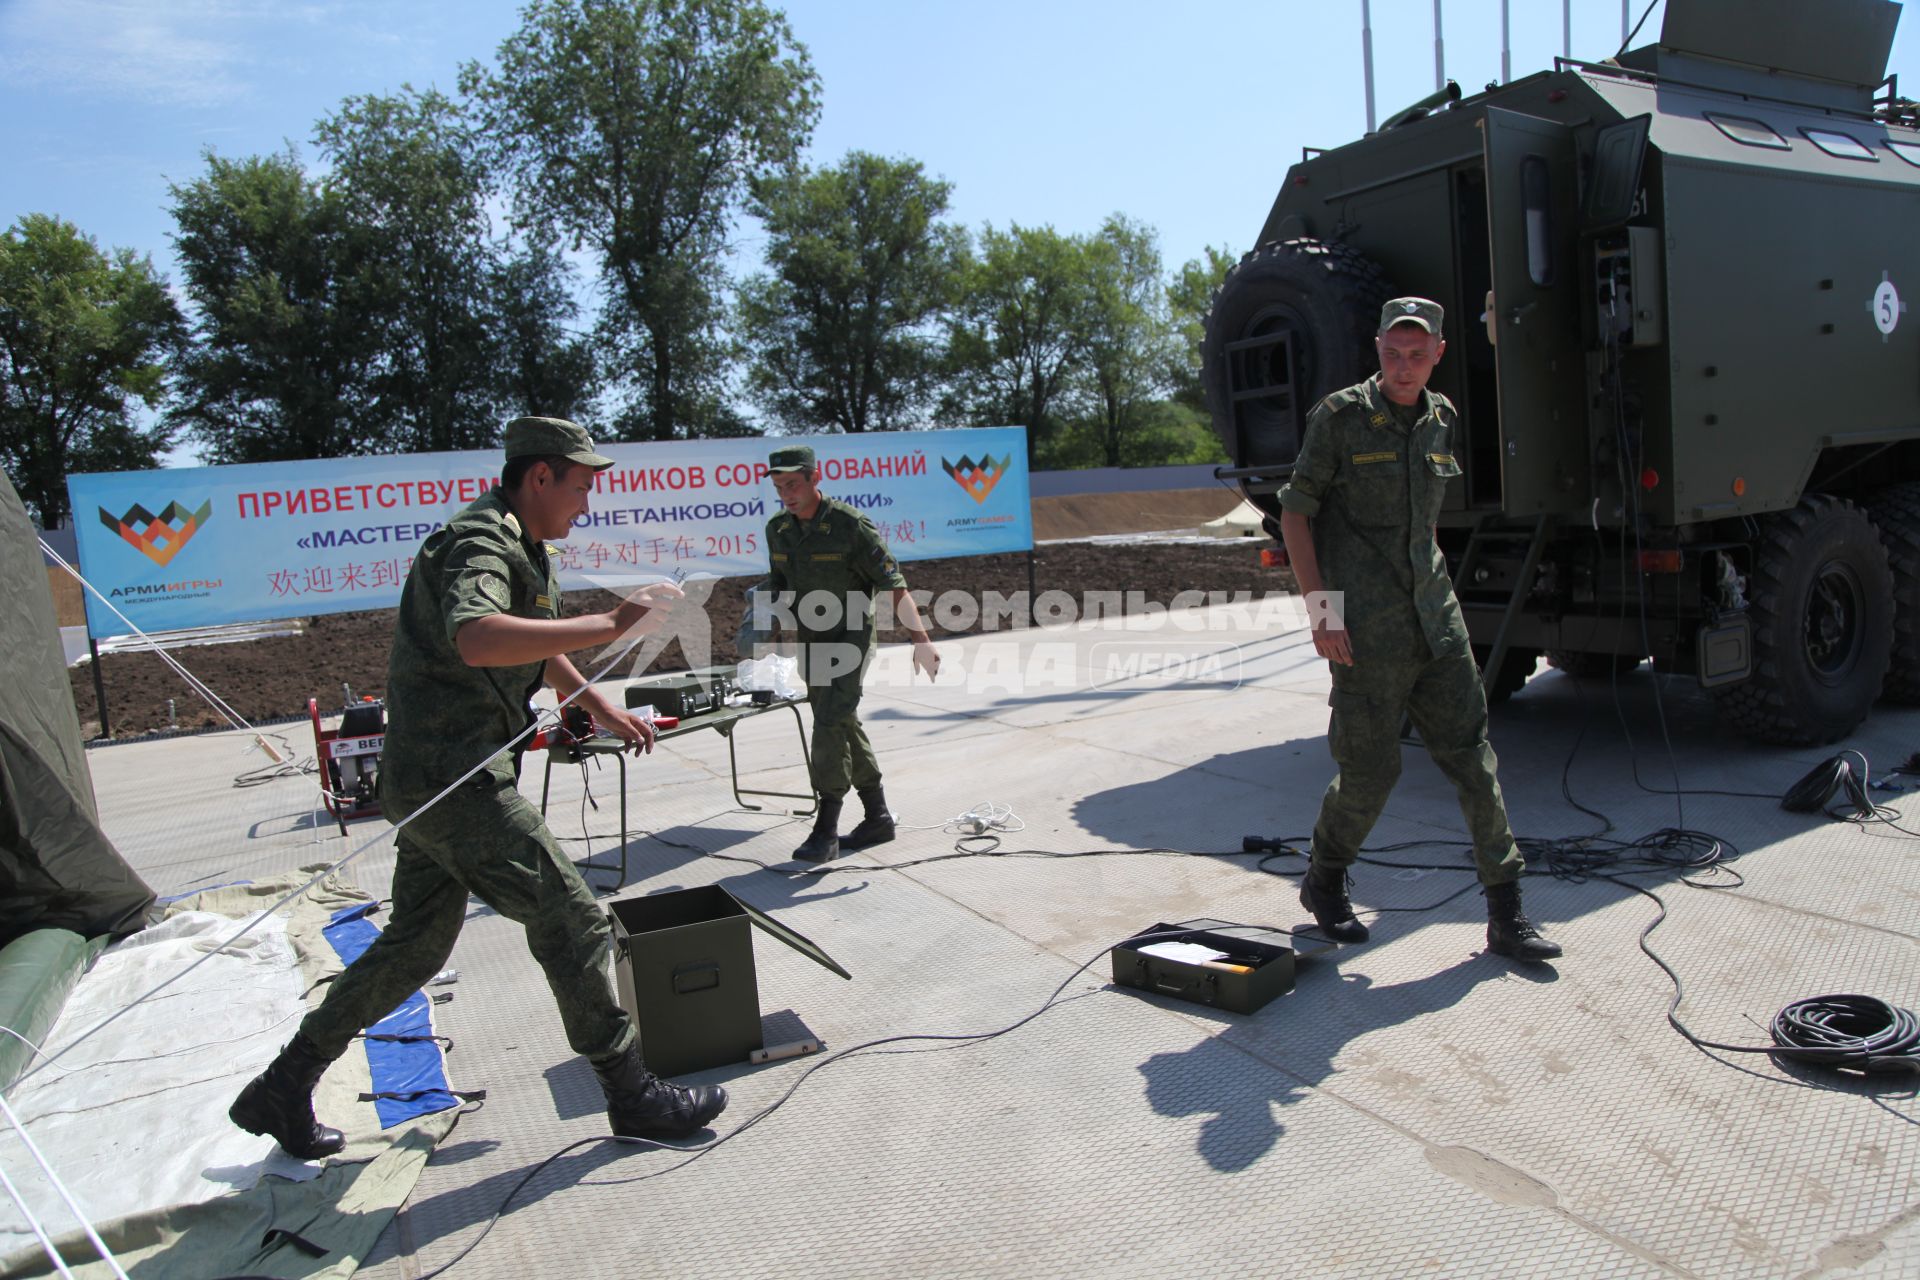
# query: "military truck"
1677 286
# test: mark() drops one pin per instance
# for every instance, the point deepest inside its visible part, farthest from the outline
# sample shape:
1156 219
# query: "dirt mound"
1088 515
273 678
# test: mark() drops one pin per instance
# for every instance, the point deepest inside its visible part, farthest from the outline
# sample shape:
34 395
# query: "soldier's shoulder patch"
1378 419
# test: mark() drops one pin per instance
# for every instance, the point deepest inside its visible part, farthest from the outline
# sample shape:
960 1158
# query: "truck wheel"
1821 605
1591 666
1329 297
1513 672
1896 513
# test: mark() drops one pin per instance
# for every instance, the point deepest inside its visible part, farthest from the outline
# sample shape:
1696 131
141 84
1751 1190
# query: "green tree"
284 344
414 193
1189 298
1131 346
843 330
84 336
1020 330
545 368
632 127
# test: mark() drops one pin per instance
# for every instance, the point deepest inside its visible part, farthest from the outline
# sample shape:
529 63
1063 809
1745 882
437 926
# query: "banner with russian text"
201 546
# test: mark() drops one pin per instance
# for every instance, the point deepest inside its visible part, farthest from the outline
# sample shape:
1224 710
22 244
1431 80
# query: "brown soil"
273 678
1086 515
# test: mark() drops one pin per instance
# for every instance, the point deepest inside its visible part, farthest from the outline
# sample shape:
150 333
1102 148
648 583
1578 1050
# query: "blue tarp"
409 1074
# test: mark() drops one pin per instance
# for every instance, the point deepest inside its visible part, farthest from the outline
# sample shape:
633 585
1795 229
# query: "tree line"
425 284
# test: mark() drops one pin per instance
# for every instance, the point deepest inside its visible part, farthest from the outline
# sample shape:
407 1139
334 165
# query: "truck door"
1532 220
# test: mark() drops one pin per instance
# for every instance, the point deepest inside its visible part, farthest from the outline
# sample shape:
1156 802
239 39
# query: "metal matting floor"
1412 1107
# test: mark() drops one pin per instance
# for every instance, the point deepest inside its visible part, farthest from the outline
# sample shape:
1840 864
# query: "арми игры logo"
158 538
977 478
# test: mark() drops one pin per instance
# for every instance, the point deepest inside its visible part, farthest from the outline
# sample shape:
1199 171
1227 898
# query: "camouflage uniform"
1372 476
484 839
838 553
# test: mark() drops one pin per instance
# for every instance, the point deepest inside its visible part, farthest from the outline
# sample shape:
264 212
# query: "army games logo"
977 478
158 538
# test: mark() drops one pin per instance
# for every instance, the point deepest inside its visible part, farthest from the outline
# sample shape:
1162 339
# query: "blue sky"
1182 115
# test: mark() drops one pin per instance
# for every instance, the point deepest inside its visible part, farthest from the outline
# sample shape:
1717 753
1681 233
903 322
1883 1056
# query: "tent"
65 892
1241 522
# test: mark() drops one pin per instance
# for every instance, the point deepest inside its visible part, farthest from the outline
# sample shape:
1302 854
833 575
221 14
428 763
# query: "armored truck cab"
1677 288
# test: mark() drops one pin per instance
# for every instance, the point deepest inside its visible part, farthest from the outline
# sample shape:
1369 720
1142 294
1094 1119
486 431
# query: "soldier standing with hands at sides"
1358 518
478 632
833 561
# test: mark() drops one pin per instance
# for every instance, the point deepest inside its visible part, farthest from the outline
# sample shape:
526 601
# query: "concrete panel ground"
1412 1107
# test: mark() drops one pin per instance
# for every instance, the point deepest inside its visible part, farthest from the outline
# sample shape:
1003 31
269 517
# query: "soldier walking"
1358 519
833 561
478 632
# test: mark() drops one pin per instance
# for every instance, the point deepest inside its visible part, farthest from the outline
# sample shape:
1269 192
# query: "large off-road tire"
1329 296
1821 604
1591 666
1896 513
1514 670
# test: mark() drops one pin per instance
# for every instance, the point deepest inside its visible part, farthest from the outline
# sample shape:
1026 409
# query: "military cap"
553 438
797 457
1423 312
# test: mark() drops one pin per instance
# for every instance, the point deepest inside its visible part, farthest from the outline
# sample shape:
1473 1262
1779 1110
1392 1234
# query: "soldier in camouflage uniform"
833 561
478 631
1358 519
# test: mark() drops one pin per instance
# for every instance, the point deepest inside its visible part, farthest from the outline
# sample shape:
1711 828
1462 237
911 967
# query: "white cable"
213 699
982 819
451 787
23 1040
60 1187
40 1232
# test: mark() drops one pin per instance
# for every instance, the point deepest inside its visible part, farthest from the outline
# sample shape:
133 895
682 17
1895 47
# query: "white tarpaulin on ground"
134 1117
124 1116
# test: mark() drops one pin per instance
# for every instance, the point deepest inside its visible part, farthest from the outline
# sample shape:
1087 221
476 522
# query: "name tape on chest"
1384 455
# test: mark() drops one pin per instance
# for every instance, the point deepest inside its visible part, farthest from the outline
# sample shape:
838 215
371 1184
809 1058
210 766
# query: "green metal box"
1252 973
683 968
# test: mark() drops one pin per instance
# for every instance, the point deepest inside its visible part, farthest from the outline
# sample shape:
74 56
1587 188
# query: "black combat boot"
279 1102
876 826
642 1105
1511 934
1323 891
823 845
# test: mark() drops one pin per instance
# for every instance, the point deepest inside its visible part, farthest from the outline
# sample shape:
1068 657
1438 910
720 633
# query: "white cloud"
192 53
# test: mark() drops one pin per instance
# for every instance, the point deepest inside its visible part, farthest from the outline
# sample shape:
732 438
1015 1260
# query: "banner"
201 546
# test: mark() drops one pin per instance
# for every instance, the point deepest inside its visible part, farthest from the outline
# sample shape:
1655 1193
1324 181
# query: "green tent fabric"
57 870
37 970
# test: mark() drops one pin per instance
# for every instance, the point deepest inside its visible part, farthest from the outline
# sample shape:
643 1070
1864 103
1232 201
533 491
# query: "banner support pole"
99 686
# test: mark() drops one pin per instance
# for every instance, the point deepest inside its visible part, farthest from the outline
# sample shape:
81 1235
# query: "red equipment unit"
350 759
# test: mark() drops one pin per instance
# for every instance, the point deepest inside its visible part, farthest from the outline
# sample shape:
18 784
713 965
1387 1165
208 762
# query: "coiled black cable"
1849 1032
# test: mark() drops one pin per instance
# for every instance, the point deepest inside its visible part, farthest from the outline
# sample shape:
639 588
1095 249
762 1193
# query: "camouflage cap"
1423 312
797 457
553 438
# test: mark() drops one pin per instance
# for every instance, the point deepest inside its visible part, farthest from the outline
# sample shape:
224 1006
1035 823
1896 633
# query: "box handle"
689 978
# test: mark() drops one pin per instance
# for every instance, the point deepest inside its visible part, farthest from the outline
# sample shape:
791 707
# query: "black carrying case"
1268 969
